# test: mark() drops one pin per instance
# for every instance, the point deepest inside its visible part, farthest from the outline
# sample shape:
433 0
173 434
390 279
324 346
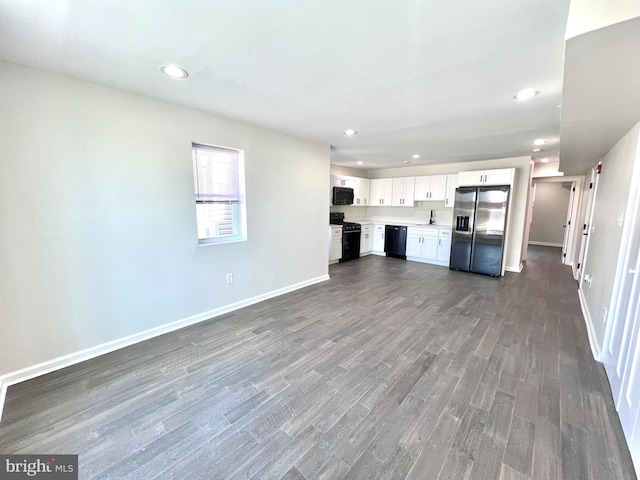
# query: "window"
218 176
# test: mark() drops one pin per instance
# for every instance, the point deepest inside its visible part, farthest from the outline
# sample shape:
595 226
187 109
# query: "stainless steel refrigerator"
480 218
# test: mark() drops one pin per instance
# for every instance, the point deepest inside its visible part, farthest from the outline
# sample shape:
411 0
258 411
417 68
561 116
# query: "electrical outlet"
229 278
604 314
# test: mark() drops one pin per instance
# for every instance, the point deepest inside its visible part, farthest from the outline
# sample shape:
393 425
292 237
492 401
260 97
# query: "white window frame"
238 204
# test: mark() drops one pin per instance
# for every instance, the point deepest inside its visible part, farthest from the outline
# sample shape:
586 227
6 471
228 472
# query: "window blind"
215 172
217 191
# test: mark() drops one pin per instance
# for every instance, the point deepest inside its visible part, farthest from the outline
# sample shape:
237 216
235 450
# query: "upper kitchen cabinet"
361 190
360 187
452 184
502 176
431 187
342 181
381 192
402 191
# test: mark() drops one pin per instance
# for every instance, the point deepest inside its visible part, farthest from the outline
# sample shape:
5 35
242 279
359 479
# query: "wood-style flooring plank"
389 370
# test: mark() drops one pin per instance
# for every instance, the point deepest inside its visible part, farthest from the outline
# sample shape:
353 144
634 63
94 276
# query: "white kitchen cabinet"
361 192
360 187
343 181
502 176
430 188
366 239
378 239
381 192
403 189
452 184
422 243
335 244
444 245
429 245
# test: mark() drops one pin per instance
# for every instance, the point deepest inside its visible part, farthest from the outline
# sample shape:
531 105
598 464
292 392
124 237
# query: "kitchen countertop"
397 221
413 222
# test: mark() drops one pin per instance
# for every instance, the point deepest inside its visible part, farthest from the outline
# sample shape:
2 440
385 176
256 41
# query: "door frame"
586 226
572 211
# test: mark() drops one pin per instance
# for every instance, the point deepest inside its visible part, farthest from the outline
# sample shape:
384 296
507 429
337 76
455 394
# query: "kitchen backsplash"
421 211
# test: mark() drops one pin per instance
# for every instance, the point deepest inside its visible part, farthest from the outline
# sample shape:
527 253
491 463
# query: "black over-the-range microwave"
342 196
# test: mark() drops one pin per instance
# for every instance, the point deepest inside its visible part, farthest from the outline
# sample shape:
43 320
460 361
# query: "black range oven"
350 236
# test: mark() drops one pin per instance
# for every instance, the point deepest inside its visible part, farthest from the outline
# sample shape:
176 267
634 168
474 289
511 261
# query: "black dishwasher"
395 241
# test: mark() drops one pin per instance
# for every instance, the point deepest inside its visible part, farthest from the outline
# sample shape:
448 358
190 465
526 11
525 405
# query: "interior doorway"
553 217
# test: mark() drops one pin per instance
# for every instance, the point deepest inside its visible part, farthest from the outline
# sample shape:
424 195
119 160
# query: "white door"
621 354
629 399
438 188
619 336
422 188
584 247
502 176
471 178
444 245
452 184
566 253
414 245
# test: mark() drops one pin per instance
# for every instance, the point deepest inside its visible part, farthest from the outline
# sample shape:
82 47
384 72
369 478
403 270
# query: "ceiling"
425 77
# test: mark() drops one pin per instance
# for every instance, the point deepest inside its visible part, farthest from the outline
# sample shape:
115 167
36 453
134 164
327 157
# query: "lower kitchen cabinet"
366 239
377 248
429 245
444 245
422 243
335 244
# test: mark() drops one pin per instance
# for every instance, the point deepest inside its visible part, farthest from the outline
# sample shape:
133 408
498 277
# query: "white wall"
97 218
588 15
546 169
549 213
518 195
605 240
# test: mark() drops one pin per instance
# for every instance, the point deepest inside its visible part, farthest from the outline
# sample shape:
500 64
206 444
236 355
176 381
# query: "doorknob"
632 271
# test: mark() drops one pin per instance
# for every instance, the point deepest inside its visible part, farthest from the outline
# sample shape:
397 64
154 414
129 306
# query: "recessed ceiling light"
350 132
406 161
536 150
416 156
359 162
560 106
538 141
544 160
174 71
526 94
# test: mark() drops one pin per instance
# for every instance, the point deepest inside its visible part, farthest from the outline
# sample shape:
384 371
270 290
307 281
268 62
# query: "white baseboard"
431 262
595 348
71 359
517 269
545 244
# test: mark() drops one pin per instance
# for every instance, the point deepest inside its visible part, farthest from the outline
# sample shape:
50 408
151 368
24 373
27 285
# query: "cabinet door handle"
438 241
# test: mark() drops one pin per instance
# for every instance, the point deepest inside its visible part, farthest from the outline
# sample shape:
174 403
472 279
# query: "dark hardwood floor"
390 370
